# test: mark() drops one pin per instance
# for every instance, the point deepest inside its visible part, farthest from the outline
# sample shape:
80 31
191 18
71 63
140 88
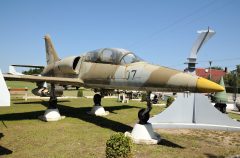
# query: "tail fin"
51 54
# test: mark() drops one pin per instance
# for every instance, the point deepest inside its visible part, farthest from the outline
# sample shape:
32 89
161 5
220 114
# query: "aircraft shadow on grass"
74 112
167 143
44 103
3 150
213 156
80 113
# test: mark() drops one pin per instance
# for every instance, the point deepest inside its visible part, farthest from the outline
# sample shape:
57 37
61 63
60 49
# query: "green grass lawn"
83 135
29 85
235 116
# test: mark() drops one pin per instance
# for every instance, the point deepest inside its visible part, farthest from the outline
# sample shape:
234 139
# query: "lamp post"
236 84
210 70
237 81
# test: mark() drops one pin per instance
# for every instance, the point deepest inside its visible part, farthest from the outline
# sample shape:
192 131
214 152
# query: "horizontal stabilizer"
55 80
30 66
4 93
13 71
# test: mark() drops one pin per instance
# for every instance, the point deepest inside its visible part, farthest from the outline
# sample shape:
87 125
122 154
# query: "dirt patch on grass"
203 143
174 131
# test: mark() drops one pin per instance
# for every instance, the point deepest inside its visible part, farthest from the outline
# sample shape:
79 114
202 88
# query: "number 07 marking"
133 72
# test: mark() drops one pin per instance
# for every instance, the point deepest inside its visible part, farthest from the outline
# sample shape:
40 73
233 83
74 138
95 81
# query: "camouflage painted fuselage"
136 76
121 69
113 68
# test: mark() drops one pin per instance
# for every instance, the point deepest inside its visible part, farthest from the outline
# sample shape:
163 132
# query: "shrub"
169 101
80 93
119 146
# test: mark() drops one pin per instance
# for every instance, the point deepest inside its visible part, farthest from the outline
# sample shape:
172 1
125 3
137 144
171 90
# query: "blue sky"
161 32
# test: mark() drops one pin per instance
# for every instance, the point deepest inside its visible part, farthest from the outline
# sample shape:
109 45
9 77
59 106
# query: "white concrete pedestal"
4 93
193 110
143 134
98 111
51 115
232 106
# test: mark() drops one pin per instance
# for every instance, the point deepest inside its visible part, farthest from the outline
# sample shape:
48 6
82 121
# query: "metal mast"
204 36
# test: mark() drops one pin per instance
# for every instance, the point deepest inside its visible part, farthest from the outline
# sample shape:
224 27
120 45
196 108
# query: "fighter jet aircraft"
112 68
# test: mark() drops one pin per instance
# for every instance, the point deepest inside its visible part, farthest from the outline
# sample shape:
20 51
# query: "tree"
33 71
229 79
217 68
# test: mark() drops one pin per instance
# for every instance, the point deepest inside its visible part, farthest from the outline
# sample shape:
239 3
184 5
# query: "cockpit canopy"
112 56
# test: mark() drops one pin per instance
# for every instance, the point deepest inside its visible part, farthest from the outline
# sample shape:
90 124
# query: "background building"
214 73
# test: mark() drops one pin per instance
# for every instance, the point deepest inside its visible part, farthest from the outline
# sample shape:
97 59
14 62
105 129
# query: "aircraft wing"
55 80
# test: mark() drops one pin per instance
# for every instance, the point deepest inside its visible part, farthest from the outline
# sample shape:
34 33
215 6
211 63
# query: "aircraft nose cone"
206 86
